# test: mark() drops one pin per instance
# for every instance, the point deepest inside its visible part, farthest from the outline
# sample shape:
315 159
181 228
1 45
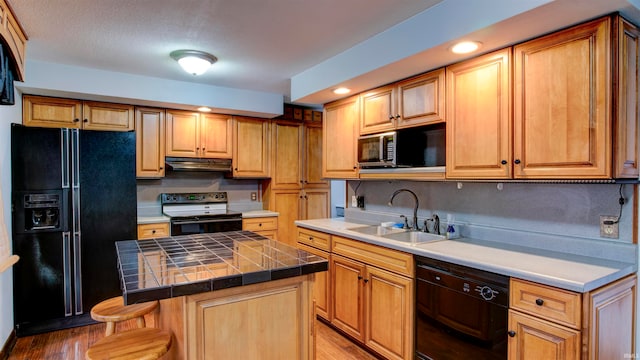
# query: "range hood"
197 164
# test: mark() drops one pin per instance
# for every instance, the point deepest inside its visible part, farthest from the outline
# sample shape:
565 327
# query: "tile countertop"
562 270
258 213
153 219
174 266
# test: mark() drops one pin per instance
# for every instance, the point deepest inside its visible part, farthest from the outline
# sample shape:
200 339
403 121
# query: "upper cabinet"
69 113
150 142
575 107
250 148
562 103
478 127
191 134
340 134
14 38
411 102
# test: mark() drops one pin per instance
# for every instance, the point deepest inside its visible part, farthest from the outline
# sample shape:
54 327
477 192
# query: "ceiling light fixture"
341 91
465 47
193 61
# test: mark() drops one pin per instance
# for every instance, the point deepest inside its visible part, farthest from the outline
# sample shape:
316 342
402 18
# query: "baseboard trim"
8 345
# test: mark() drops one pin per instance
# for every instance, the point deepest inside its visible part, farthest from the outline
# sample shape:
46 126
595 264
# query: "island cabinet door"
348 296
534 338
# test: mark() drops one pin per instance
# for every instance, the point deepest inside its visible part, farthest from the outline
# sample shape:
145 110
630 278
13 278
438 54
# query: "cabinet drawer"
313 238
260 224
388 259
561 306
150 231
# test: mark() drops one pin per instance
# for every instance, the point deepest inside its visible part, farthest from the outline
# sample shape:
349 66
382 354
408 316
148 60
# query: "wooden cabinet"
562 104
478 127
319 243
372 291
265 226
293 204
411 102
296 189
77 114
153 230
250 148
340 134
321 286
550 323
14 38
192 134
150 142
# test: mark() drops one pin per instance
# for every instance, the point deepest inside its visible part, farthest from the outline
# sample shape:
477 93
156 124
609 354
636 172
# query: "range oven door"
205 224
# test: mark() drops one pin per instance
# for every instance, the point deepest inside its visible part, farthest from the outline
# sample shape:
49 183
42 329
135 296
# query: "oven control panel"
194 198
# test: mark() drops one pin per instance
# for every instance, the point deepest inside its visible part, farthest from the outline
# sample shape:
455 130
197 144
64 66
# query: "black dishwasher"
461 312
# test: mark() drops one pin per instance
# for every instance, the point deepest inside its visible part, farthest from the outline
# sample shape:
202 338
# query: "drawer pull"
511 333
539 302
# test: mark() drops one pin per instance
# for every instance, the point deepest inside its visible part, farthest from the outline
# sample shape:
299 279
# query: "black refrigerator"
73 197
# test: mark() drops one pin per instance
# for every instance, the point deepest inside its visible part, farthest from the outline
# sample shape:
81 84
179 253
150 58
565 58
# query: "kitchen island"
225 295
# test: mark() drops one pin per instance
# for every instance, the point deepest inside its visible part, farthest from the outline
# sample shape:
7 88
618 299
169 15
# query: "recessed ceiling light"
465 47
341 91
204 109
193 61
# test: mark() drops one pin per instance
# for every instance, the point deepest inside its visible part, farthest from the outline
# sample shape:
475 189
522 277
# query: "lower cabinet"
265 226
321 286
551 323
372 304
153 230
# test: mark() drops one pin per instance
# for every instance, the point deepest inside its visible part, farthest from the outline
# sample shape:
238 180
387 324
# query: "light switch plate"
609 230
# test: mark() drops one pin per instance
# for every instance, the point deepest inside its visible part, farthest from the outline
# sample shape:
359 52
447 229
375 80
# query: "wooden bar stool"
136 344
113 310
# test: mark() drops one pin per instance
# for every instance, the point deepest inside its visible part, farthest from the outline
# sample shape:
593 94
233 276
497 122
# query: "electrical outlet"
254 196
609 226
354 201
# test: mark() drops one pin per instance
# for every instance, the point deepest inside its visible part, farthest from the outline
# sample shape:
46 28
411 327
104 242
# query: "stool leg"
140 321
111 328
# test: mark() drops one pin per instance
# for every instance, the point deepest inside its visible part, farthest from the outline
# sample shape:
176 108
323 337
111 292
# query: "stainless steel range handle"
185 222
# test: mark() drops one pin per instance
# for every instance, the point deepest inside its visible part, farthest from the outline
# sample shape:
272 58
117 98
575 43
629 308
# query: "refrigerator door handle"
64 157
75 150
66 260
77 266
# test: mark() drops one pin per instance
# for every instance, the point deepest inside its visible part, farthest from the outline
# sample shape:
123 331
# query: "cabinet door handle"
397 116
391 117
85 120
539 302
511 333
359 277
76 120
503 162
366 281
517 161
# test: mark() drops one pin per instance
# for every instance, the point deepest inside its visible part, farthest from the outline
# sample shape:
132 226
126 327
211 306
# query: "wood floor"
71 344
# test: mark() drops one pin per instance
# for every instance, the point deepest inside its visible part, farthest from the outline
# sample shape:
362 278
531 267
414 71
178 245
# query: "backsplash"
520 213
238 191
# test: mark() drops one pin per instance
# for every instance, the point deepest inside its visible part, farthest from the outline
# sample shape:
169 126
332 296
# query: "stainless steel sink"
414 237
377 230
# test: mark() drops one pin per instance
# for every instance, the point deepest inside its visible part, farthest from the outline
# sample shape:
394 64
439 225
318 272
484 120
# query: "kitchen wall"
8 114
517 212
238 191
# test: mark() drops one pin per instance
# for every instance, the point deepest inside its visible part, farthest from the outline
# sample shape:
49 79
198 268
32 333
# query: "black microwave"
422 146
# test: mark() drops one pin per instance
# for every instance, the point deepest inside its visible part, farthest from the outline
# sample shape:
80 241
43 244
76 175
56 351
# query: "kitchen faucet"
415 208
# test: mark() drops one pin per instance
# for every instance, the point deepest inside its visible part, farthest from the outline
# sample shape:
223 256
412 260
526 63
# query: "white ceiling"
263 44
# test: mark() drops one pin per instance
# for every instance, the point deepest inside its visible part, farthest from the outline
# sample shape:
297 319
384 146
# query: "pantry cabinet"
551 323
296 189
192 134
340 134
150 141
478 127
76 114
411 102
250 147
